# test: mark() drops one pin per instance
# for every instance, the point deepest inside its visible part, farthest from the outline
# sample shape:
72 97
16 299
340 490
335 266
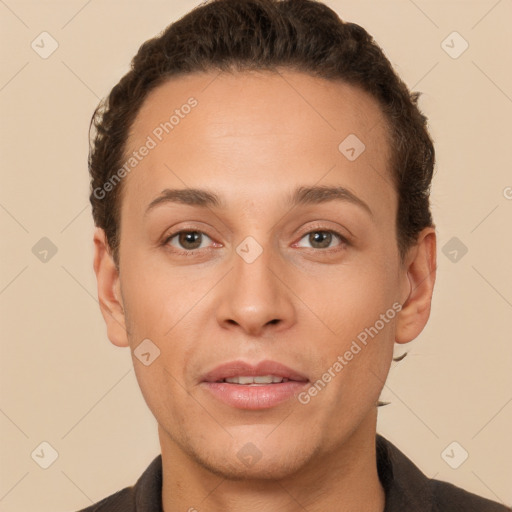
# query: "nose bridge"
254 297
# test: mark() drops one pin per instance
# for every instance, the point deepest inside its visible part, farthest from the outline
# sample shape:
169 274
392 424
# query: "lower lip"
244 396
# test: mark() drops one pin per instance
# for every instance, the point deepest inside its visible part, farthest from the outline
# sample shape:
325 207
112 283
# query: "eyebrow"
300 196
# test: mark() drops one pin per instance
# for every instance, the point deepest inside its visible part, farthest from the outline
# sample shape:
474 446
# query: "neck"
344 478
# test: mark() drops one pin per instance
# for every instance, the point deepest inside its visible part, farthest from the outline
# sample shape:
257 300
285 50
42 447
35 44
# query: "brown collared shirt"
407 489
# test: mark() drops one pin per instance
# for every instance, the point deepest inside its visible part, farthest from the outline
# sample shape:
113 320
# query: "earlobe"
109 291
421 274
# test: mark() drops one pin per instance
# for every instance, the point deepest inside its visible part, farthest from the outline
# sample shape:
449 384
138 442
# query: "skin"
252 139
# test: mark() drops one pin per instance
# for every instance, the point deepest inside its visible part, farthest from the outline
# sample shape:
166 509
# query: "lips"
260 386
235 369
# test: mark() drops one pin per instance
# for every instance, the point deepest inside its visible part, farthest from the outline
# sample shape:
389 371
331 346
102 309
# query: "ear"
109 291
419 278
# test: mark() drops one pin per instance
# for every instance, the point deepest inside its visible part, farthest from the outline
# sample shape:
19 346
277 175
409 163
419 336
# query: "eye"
322 239
192 240
188 240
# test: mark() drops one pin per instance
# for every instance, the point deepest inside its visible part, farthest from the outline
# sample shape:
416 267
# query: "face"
285 253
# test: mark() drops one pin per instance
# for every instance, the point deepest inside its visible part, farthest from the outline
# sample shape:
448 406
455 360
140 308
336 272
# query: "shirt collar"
406 487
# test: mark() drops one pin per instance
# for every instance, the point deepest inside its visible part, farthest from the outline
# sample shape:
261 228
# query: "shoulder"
407 488
123 500
144 496
448 497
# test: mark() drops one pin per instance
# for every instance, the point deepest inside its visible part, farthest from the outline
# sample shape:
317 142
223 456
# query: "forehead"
251 135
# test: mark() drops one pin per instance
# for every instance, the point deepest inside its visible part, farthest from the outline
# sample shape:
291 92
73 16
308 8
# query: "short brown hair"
301 35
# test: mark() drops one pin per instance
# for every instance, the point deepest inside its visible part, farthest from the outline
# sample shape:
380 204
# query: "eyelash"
344 242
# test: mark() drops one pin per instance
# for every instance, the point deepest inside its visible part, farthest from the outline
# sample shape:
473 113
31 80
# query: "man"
260 190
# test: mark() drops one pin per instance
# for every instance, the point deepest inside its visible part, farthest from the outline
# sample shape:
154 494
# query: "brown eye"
188 240
321 239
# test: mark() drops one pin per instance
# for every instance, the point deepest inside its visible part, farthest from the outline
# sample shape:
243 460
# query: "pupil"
190 240
320 237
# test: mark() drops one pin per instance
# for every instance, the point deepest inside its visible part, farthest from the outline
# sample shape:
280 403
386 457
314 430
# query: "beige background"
64 383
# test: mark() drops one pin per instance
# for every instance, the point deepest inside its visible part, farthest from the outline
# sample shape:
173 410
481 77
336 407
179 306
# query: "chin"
275 467
263 455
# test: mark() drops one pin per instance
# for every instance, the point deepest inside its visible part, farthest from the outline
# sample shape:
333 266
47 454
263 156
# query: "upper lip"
241 368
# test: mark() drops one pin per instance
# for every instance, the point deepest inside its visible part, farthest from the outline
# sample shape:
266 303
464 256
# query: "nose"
255 297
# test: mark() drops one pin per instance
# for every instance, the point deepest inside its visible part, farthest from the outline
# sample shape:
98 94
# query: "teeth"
263 379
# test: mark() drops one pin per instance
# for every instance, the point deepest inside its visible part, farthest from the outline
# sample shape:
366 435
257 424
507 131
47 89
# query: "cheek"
355 315
349 298
160 389
157 297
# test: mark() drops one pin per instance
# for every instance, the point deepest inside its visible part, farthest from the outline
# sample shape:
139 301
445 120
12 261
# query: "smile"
253 386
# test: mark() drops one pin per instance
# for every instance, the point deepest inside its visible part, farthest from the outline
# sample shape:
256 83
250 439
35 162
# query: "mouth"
259 386
259 380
